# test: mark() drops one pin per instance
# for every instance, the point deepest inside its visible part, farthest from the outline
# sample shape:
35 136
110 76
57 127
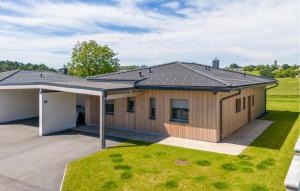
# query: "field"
142 166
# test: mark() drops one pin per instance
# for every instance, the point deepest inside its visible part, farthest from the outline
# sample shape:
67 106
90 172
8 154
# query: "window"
179 110
130 104
109 107
252 99
152 104
244 103
238 105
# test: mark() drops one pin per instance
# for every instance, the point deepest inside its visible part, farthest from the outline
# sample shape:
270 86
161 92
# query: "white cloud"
244 32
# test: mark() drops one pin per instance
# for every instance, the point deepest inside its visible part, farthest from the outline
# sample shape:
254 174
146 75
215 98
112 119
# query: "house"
178 99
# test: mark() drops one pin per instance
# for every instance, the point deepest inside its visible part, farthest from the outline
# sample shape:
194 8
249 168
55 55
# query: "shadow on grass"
276 134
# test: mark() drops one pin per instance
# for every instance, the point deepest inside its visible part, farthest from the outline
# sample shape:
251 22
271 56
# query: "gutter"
221 112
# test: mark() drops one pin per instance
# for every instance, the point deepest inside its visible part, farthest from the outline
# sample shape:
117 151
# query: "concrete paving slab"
234 144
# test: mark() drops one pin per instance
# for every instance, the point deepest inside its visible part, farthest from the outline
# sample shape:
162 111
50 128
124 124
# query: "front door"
249 108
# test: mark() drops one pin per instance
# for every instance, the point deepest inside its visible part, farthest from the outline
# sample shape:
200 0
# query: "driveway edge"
63 179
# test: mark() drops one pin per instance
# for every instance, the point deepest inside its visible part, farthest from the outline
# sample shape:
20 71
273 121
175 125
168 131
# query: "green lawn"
141 166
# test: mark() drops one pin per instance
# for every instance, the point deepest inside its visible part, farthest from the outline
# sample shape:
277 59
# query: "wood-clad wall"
202 114
232 120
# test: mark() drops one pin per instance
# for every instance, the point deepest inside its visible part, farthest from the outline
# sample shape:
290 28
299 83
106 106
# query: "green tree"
285 66
233 66
90 58
267 71
249 68
259 67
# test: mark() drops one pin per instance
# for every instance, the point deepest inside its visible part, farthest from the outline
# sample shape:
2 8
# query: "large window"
109 107
238 105
152 106
253 100
179 110
130 104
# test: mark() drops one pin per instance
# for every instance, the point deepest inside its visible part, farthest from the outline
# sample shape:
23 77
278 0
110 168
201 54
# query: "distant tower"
215 63
275 63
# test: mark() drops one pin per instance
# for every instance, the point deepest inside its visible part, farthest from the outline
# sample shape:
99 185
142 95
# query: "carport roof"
25 77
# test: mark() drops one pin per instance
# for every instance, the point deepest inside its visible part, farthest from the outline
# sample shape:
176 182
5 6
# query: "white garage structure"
50 96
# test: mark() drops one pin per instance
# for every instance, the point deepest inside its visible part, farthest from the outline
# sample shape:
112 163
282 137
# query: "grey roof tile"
30 77
182 74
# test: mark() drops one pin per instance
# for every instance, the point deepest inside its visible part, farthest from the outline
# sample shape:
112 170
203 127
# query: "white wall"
18 104
57 112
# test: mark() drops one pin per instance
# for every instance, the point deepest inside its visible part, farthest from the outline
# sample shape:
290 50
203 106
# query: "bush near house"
144 166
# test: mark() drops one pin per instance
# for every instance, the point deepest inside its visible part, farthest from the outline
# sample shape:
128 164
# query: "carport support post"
102 117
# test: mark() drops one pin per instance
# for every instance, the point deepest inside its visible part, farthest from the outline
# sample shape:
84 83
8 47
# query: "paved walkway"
234 144
32 163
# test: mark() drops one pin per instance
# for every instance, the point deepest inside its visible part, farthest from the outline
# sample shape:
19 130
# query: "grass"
261 167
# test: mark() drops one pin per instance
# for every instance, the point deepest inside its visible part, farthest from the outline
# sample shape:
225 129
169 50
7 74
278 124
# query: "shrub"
122 167
117 160
115 155
109 185
203 163
126 175
221 185
257 187
229 167
171 184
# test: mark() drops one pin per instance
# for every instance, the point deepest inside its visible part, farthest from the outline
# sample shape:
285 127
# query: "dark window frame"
252 100
131 104
238 105
183 112
152 110
244 103
110 107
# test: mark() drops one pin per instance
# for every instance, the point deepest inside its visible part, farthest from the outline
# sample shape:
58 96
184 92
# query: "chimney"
140 73
215 63
41 75
150 70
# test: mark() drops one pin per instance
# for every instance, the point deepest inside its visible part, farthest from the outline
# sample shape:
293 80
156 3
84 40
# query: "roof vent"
215 63
140 73
244 74
41 75
150 70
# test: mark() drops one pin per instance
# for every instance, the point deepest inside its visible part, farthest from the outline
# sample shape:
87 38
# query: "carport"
54 103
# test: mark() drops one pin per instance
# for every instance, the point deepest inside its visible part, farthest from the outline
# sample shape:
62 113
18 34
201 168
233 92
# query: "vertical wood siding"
232 120
204 113
203 106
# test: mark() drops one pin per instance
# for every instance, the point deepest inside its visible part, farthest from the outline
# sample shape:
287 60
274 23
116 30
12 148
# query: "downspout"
221 112
266 95
102 120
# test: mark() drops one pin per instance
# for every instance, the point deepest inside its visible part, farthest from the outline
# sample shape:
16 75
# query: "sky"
146 32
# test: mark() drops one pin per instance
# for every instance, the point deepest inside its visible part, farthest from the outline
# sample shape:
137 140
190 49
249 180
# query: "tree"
267 71
10 65
259 67
249 68
233 66
285 66
89 58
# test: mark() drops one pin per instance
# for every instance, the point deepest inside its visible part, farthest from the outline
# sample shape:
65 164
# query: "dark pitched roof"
19 77
182 75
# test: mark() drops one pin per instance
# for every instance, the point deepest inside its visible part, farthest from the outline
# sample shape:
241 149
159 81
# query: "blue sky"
147 32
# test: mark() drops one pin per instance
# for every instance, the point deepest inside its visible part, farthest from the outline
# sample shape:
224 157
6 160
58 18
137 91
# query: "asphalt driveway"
32 163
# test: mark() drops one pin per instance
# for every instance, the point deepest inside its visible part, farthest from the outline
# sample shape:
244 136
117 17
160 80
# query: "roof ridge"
121 72
207 75
13 73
